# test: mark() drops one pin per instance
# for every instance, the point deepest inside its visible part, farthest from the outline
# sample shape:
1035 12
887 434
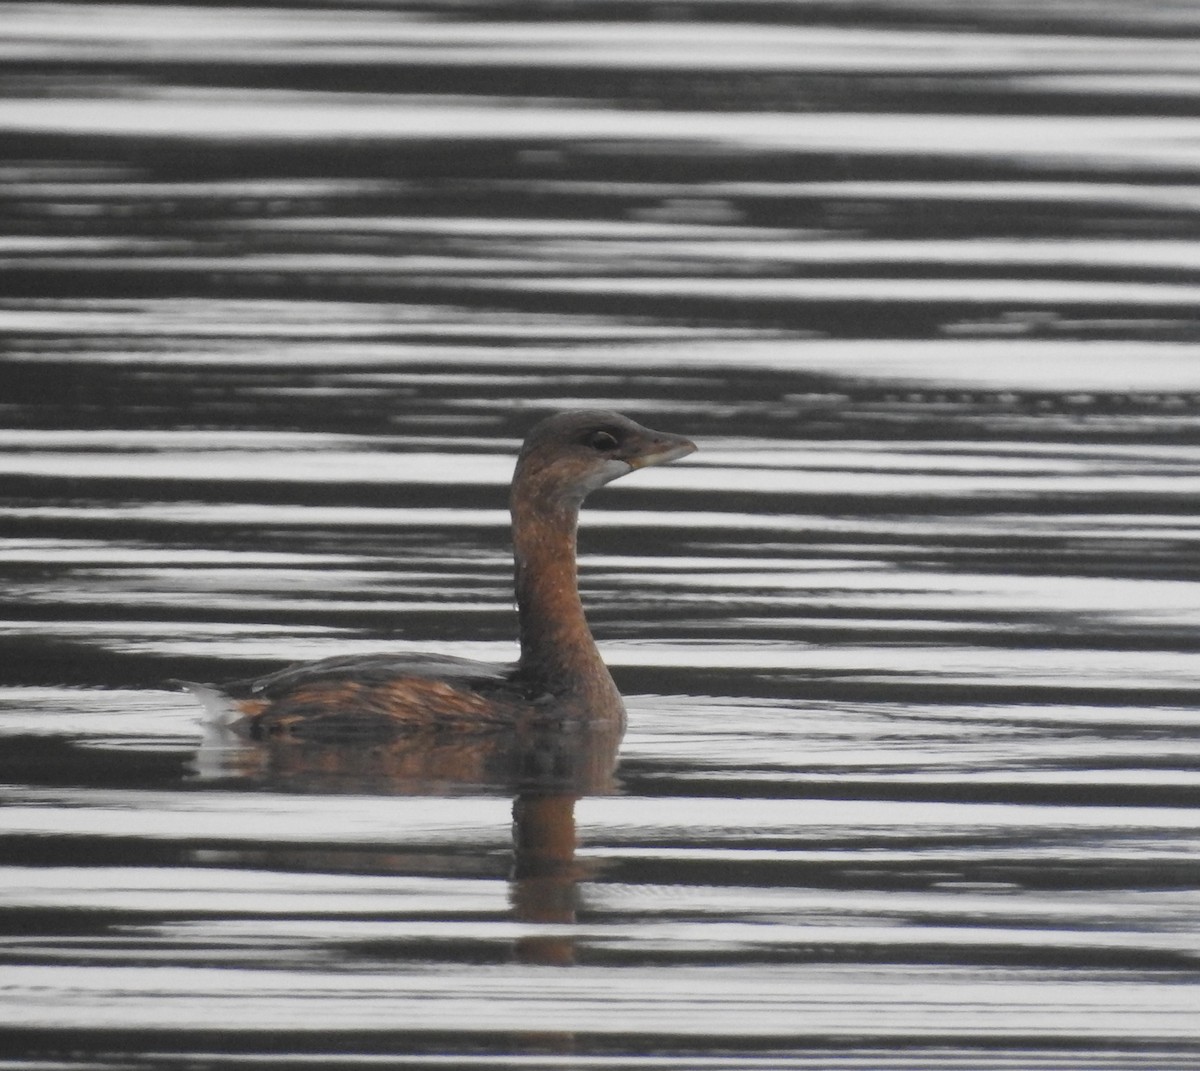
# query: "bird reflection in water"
546 770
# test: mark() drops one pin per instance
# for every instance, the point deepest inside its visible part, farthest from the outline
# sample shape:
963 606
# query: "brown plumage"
560 677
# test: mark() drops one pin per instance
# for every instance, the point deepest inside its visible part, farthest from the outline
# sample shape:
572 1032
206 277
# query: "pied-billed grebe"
560 675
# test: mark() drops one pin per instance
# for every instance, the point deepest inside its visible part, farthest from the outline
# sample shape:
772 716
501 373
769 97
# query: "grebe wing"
374 669
342 699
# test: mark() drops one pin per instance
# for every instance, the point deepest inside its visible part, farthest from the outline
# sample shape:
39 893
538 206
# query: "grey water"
910 646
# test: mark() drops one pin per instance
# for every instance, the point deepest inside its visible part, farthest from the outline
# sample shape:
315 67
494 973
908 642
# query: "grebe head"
570 454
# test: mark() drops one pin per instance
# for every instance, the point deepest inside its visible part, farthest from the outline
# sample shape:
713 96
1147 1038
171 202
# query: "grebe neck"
558 653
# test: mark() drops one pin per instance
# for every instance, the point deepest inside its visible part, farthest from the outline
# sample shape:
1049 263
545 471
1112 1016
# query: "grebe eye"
601 440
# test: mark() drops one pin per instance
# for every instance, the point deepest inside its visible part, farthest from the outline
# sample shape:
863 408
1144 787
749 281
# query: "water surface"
912 772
